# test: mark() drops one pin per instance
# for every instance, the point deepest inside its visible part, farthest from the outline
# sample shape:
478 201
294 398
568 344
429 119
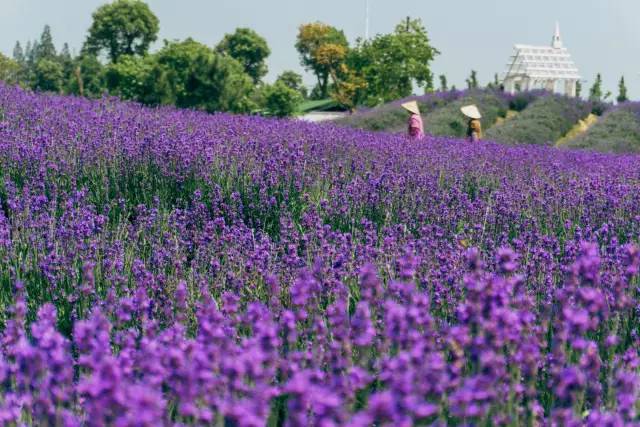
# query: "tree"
18 54
443 83
45 49
578 89
248 48
202 79
391 64
349 87
124 27
281 100
622 91
595 93
48 76
87 77
293 80
66 60
9 70
314 39
472 81
127 78
65 53
218 83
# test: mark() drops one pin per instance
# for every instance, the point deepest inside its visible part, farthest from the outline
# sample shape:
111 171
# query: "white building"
542 67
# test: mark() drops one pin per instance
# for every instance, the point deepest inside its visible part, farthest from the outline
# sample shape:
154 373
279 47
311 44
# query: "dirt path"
581 127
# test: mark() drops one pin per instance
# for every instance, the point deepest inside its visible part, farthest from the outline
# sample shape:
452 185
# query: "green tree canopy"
202 79
578 89
313 43
249 49
622 91
18 53
45 48
293 80
87 77
443 83
9 70
392 63
281 100
48 76
124 27
595 93
472 81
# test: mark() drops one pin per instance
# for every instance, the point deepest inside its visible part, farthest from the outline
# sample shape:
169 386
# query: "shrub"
281 100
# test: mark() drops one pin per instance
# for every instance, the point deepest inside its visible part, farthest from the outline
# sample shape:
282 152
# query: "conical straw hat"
411 106
471 111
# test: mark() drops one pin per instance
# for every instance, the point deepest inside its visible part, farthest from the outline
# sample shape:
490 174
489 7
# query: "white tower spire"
557 41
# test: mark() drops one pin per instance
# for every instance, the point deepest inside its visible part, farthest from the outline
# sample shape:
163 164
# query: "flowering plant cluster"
164 267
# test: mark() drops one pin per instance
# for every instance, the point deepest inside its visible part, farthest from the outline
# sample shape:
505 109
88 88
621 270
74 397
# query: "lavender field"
164 267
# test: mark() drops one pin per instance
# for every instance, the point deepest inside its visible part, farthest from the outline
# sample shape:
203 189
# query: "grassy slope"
392 117
617 131
544 121
449 121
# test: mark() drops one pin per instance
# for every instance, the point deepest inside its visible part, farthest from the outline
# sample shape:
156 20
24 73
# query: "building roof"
543 62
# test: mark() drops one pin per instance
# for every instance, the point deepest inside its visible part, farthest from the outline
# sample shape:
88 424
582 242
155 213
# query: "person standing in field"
416 128
474 127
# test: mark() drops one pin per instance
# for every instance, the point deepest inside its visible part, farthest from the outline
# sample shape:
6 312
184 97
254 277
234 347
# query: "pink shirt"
416 129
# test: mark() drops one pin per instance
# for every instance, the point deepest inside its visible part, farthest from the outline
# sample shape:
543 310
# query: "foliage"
391 64
521 100
318 38
350 89
472 81
249 49
127 78
87 77
48 76
280 100
595 93
18 54
443 83
544 121
45 49
578 89
618 131
622 91
9 70
123 27
202 79
293 80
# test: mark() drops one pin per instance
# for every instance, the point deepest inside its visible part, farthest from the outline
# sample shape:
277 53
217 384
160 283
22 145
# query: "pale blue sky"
602 35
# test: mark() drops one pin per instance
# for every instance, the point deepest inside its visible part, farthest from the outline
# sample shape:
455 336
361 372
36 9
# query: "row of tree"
115 59
596 93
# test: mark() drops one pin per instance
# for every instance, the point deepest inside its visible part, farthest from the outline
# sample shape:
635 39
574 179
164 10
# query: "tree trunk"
80 82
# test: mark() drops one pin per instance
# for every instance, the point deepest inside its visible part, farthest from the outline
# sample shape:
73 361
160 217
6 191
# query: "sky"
602 35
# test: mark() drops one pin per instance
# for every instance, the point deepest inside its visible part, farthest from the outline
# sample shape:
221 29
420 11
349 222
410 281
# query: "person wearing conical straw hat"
416 128
474 128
